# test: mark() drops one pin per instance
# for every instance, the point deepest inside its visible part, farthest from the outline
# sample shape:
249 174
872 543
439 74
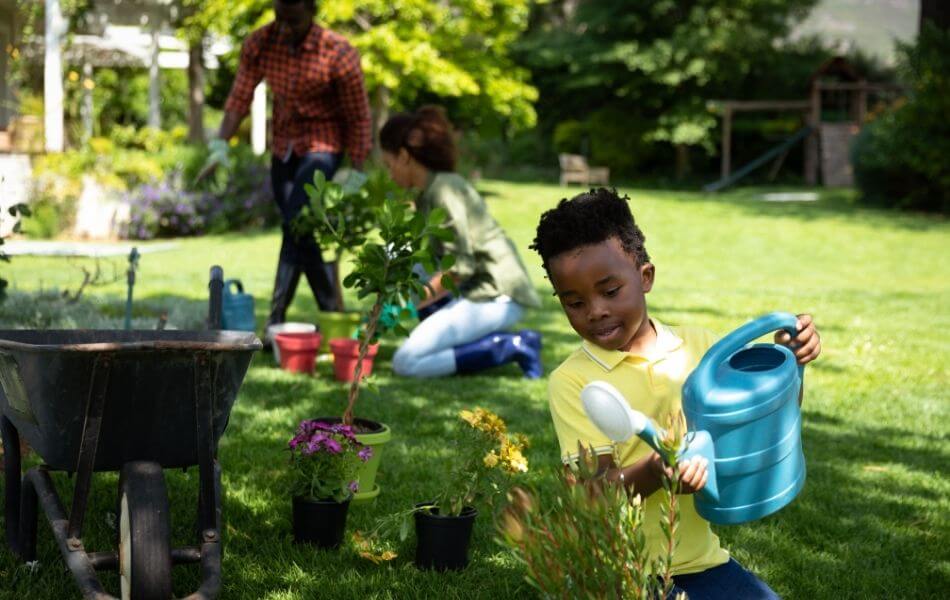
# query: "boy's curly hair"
586 219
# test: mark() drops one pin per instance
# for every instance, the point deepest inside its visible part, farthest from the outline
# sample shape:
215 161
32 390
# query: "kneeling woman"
467 334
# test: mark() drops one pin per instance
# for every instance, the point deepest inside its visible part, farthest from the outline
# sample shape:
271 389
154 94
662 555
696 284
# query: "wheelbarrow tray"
149 412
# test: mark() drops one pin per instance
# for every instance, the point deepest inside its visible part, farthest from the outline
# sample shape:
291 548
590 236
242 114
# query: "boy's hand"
693 472
806 345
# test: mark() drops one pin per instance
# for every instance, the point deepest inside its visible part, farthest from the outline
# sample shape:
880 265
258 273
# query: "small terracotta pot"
298 351
346 353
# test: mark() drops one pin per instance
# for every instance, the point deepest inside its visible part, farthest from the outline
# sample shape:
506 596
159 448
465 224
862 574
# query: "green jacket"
486 262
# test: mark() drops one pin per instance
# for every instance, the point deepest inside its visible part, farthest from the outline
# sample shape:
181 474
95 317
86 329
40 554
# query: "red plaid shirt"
320 103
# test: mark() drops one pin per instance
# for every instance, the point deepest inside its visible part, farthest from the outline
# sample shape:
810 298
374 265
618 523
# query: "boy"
595 257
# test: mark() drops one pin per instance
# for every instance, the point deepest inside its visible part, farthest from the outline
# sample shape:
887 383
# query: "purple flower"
354 486
365 454
333 446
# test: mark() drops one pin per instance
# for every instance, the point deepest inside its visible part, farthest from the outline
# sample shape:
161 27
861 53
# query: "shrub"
902 157
164 210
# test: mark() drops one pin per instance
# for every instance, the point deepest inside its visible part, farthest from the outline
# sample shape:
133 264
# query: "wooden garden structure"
836 108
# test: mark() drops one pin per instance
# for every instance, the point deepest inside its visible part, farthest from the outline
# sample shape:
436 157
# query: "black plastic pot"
442 541
319 522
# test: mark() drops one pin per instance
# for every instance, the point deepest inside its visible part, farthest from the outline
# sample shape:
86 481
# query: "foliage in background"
53 309
412 48
15 212
902 157
325 459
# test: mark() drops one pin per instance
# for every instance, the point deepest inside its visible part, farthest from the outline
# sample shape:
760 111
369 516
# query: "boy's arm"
646 475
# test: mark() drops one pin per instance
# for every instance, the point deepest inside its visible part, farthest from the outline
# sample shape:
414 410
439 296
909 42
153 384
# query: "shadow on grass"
872 487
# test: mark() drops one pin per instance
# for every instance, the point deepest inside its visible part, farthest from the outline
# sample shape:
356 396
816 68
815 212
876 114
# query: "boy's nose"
597 312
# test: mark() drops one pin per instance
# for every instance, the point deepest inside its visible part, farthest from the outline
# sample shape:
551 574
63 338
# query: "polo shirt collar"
666 342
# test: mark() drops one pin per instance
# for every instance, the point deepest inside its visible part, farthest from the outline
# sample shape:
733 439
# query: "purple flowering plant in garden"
326 459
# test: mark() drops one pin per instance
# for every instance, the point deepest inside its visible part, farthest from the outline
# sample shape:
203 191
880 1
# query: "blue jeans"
729 581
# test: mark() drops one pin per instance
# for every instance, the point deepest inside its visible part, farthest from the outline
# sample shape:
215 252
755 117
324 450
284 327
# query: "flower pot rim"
467 511
380 427
348 343
309 500
298 341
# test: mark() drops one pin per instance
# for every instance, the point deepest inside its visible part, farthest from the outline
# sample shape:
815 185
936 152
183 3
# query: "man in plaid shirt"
320 110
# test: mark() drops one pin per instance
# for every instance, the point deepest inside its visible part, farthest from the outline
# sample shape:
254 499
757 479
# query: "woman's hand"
806 345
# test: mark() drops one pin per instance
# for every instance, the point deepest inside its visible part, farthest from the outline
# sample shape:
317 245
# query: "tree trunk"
380 115
196 92
682 161
935 11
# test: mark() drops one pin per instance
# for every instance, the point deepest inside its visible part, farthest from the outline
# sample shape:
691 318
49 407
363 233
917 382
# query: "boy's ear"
647 273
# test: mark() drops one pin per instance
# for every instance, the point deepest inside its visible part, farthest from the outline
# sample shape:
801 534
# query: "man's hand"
218 155
806 345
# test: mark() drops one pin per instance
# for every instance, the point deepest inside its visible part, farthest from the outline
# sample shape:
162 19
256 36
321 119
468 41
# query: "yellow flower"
512 458
468 416
491 459
484 420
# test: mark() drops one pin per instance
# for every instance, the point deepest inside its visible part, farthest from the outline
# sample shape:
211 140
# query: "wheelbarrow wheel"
145 560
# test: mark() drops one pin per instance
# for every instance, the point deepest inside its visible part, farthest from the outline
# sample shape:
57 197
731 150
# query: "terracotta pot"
346 353
298 351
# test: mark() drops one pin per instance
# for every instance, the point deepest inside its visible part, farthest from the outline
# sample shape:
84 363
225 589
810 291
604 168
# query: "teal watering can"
741 406
237 308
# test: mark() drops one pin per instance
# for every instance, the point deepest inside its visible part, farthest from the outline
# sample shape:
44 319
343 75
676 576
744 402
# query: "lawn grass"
872 521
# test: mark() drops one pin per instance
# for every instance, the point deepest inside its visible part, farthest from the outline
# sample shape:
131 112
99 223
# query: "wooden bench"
574 169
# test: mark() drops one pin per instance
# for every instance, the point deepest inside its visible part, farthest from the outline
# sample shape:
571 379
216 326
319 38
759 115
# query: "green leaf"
448 261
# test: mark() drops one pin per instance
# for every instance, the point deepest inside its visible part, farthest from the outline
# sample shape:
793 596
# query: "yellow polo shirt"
652 384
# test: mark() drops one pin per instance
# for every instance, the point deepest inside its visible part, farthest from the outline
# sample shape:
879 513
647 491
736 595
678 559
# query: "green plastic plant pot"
368 490
337 325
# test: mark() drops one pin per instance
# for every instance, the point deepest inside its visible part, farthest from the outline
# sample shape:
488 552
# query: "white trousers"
429 350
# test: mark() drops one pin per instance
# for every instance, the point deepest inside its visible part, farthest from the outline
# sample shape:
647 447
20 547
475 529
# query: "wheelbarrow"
136 402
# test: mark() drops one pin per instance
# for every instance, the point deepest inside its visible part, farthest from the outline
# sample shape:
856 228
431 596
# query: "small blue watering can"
237 308
741 406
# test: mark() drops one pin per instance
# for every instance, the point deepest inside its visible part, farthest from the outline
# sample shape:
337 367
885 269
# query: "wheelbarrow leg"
29 504
12 475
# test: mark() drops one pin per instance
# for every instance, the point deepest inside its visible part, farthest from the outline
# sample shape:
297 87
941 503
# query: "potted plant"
484 458
382 273
325 459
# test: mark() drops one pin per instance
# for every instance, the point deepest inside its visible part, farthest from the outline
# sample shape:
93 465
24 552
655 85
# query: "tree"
655 61
450 48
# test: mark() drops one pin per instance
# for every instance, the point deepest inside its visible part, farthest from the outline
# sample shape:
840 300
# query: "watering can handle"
735 341
230 282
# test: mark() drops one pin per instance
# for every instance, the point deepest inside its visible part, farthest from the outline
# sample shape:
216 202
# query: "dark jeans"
303 253
729 581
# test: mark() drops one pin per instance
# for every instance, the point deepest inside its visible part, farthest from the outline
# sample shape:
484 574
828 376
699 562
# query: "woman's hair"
425 134
586 219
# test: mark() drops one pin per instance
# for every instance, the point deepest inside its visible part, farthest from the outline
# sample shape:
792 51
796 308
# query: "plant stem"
364 347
